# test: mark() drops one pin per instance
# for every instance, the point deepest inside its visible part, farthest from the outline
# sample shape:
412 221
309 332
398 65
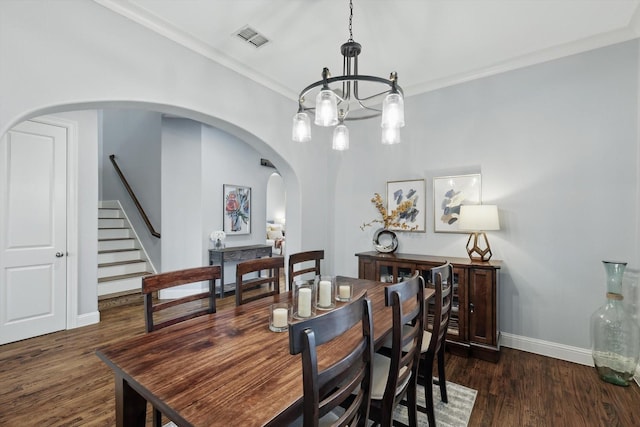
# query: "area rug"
456 413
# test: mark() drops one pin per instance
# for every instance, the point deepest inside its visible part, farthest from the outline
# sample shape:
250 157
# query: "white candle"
345 291
280 317
325 293
304 302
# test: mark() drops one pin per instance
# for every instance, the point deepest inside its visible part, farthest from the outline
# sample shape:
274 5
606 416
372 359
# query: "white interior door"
33 266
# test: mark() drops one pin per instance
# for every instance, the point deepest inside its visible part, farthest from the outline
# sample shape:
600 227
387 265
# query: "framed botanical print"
449 193
412 217
237 209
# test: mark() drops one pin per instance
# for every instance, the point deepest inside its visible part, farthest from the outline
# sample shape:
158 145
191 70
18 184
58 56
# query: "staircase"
122 262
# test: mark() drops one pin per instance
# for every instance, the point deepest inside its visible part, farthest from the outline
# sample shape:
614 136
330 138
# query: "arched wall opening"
87 297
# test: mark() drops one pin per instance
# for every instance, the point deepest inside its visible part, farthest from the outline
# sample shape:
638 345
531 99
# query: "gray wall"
197 160
134 137
557 147
86 196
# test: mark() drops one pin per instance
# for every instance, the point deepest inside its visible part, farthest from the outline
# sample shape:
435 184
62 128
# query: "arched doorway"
84 165
276 213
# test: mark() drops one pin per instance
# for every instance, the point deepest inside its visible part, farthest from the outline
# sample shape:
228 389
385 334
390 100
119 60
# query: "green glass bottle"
615 334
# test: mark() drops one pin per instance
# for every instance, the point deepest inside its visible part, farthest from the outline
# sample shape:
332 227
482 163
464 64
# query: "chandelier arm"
354 78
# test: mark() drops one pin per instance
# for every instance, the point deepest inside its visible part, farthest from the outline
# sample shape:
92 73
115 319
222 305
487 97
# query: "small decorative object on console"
217 237
385 240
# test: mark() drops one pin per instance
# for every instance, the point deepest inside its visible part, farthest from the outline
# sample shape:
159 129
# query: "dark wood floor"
56 380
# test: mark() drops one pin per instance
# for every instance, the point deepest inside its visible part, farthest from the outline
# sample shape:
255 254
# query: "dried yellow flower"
390 219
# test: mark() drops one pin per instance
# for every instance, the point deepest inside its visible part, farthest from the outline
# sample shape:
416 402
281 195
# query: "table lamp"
478 219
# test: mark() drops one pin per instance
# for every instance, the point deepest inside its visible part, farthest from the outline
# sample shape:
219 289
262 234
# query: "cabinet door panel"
367 269
482 327
457 330
458 322
392 272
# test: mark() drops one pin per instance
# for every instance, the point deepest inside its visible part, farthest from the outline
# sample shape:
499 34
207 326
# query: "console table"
474 322
236 254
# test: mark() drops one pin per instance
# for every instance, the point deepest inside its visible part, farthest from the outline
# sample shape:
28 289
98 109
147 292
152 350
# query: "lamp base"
476 253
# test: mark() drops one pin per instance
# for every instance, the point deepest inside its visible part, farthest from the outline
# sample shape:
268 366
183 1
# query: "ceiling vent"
251 36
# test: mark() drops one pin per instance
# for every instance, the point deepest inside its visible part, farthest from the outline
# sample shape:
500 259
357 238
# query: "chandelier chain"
350 20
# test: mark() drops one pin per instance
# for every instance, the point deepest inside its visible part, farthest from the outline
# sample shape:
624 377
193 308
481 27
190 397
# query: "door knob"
59 254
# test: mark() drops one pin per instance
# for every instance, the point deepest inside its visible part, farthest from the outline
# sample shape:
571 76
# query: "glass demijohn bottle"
615 334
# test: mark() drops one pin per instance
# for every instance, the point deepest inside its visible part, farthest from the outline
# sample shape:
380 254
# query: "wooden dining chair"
177 310
346 381
305 262
252 288
186 307
395 377
442 279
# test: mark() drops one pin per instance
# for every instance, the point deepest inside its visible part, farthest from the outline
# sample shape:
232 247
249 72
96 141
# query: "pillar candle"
325 293
304 302
280 317
345 291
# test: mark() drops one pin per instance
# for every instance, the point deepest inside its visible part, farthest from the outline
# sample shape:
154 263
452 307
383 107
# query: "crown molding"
154 23
561 51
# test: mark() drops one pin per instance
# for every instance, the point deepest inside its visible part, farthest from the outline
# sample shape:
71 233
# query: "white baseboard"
547 348
87 319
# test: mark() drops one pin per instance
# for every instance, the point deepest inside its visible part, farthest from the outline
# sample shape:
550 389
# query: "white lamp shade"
326 108
393 111
340 138
301 131
478 218
390 135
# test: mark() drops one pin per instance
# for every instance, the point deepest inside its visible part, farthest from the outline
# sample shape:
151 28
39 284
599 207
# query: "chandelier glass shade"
340 138
349 97
301 127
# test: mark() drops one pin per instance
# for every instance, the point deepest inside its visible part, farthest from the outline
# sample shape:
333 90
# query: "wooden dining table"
223 369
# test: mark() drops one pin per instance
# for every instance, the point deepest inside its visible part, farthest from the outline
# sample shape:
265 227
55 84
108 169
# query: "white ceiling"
430 43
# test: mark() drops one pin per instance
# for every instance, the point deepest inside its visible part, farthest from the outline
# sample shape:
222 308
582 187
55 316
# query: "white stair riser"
115 286
110 213
112 223
118 256
120 269
110 245
114 233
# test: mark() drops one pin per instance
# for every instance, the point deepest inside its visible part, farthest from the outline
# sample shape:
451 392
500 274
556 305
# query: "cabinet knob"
471 307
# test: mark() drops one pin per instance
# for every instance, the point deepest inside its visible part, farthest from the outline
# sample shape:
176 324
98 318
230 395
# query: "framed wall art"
449 193
399 192
237 209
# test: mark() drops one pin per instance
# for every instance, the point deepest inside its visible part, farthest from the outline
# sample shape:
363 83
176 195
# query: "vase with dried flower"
385 239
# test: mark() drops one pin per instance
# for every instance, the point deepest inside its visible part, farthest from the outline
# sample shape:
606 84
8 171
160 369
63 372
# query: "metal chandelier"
345 101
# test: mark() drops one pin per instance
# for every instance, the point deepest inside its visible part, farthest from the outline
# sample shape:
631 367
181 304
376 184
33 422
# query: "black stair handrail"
152 230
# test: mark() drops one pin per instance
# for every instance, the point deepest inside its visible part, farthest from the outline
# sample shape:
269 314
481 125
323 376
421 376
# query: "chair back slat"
442 278
252 288
346 381
185 307
302 263
407 303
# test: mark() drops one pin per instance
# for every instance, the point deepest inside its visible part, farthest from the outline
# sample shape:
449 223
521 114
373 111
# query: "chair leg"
412 403
441 378
157 418
428 391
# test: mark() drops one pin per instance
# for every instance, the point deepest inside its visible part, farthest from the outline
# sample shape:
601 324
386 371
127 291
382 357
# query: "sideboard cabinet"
473 326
